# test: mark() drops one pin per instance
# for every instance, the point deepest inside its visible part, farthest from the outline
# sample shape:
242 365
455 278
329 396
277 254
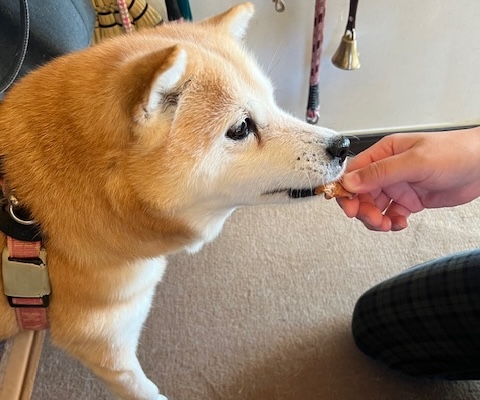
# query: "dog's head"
179 119
210 110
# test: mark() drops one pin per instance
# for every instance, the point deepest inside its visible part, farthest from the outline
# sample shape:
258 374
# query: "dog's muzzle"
338 148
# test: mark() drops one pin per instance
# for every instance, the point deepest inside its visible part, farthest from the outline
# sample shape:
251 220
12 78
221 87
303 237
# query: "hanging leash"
114 17
346 56
313 105
125 16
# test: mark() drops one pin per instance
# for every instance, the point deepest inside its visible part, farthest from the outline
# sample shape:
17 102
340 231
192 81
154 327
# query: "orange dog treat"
333 189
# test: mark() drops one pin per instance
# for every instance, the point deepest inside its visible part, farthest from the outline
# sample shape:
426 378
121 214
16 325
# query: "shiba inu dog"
136 148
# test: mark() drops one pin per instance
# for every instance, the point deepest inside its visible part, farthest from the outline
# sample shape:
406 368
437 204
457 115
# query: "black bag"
34 31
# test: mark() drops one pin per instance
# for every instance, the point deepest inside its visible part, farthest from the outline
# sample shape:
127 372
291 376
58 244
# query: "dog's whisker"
272 65
309 180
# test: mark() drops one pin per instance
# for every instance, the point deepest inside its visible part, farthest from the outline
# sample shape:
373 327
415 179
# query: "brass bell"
346 56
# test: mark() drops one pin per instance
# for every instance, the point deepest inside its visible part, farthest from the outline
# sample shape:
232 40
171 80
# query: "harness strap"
31 312
24 271
22 249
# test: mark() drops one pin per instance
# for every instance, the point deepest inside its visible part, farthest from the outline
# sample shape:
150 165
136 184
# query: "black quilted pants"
426 320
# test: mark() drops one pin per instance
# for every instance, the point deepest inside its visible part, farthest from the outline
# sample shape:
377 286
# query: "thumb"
380 174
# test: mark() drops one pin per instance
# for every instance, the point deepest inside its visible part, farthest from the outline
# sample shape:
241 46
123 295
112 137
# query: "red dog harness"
24 269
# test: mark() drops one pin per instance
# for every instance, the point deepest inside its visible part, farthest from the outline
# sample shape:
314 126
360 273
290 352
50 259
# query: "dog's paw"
160 397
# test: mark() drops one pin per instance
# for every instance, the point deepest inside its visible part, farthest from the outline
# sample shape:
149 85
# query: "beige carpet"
263 313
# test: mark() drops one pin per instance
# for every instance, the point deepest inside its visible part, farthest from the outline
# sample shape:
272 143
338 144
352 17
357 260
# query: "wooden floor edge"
32 365
18 357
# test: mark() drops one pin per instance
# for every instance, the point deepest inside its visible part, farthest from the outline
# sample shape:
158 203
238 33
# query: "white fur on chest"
148 273
141 276
207 221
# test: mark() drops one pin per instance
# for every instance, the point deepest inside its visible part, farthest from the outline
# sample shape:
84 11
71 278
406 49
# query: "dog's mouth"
300 193
295 193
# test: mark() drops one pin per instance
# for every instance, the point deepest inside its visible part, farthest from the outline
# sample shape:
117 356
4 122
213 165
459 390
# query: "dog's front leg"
104 336
121 372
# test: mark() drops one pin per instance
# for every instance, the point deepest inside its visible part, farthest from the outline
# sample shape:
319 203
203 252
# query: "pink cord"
317 43
123 9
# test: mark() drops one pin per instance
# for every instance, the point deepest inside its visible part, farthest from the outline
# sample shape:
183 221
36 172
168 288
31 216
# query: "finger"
398 214
399 222
378 151
395 209
384 226
366 210
382 201
383 173
349 206
370 214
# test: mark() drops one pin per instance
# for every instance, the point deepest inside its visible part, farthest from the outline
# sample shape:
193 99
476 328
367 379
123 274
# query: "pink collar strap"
24 269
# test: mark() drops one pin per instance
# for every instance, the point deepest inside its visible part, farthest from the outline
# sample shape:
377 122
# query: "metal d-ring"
12 202
279 5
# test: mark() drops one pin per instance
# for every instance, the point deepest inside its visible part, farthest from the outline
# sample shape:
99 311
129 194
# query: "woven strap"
313 104
22 249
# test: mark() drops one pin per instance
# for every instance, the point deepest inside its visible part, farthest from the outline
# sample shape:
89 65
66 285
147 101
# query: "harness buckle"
25 280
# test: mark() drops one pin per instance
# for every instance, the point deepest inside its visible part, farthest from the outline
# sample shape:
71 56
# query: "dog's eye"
241 131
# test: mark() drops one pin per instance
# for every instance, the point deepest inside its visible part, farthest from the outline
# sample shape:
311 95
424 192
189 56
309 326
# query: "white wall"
420 61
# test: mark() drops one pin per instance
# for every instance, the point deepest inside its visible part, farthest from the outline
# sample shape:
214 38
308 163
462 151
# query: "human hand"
406 173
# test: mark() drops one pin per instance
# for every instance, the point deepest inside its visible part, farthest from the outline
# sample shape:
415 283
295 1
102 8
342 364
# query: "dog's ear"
151 79
233 21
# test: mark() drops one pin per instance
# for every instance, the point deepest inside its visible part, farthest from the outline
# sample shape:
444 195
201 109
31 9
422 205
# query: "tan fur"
119 151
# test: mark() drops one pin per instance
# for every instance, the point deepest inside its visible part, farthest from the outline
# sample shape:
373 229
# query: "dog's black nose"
338 148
